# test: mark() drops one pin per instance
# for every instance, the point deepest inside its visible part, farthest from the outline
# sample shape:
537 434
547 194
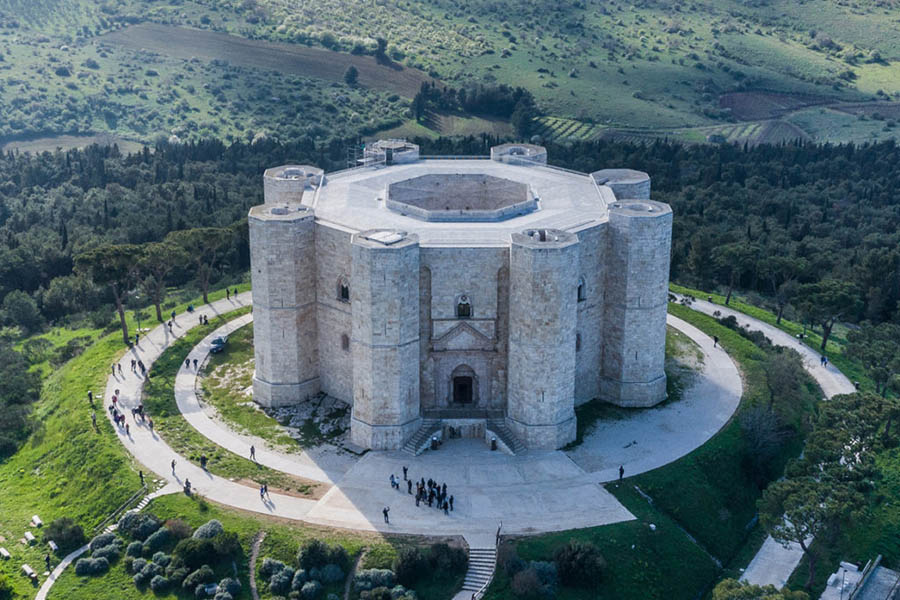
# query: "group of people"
430 492
118 416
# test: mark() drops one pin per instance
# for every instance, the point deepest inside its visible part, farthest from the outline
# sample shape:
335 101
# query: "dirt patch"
185 43
888 110
317 489
754 106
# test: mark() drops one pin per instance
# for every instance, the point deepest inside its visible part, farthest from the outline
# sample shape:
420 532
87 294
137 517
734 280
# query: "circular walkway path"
538 491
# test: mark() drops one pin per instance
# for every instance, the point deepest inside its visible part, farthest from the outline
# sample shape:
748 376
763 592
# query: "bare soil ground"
753 106
888 110
185 43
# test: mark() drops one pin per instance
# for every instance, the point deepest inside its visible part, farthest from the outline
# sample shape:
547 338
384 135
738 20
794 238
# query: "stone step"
417 440
507 436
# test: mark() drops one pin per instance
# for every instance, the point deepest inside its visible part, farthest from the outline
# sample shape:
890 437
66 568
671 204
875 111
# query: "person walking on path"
187 363
385 512
112 368
253 453
173 466
137 339
120 369
446 507
393 483
266 489
451 501
227 294
404 473
47 560
409 486
715 341
150 424
141 473
91 397
262 493
94 419
621 472
195 364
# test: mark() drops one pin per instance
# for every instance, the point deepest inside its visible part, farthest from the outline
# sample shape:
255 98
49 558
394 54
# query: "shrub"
226 544
527 584
209 530
401 593
110 552
331 573
135 549
176 576
104 539
162 559
91 566
369 579
510 561
202 575
139 525
138 565
313 553
546 572
128 564
379 593
270 566
409 565
159 539
300 577
178 528
311 590
445 559
146 574
230 586
193 553
280 582
159 583
66 533
332 596
337 555
223 596
6 589
579 564
200 591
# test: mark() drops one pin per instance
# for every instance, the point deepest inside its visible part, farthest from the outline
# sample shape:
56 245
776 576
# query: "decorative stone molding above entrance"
463 337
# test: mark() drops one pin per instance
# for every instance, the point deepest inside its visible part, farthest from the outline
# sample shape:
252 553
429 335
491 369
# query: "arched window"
582 293
343 289
345 342
463 308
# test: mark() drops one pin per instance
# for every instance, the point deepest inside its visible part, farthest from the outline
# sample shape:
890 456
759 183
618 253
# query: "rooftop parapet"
288 182
390 152
626 184
519 154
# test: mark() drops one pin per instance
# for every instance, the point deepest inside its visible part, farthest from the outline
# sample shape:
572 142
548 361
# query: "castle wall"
636 303
282 257
334 317
385 341
592 245
542 327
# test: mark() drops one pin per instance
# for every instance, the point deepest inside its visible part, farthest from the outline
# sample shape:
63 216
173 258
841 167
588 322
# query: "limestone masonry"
459 296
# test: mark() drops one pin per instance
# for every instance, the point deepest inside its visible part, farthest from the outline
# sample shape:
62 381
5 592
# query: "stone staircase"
506 436
482 562
418 443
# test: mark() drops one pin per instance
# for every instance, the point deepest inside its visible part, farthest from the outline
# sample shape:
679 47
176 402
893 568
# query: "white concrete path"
774 563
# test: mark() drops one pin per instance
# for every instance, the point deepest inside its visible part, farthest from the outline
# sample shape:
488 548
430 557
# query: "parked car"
218 344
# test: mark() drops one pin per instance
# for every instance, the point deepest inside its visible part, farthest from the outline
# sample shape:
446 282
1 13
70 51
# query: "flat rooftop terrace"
527 196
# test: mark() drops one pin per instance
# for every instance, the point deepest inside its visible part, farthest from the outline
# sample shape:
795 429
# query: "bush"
300 577
409 565
230 586
311 590
379 593
200 591
369 579
128 564
91 566
331 573
193 553
159 584
313 553
401 593
6 589
162 559
104 539
447 560
159 539
202 575
138 565
209 530
546 572
280 582
337 555
177 575
579 564
527 584
178 528
135 549
139 525
223 596
66 533
509 560
226 544
110 552
149 571
270 566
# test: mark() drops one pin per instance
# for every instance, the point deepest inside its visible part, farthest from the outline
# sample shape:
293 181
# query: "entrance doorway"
462 390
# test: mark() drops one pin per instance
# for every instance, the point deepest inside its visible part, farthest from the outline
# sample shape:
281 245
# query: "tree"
782 272
763 439
380 50
797 510
827 301
115 266
20 309
784 374
19 388
733 260
731 589
877 347
202 245
158 260
351 76
523 116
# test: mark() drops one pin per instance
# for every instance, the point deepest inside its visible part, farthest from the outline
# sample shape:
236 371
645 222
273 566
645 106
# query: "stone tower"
636 296
288 183
543 276
385 338
283 259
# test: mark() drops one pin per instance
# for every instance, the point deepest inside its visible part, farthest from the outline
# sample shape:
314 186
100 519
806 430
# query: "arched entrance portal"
463 387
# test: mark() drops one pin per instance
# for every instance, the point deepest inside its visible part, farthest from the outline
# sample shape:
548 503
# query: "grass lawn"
707 494
159 398
66 469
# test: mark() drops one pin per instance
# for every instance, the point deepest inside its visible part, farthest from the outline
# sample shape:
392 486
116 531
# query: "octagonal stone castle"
475 296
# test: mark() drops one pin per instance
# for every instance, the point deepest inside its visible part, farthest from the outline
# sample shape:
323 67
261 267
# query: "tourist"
621 472
137 338
385 512
266 489
47 560
173 315
187 487
94 419
91 397
235 291
113 369
252 453
133 365
715 341
444 490
203 461
173 466
150 424
404 473
262 493
141 474
120 368
227 294
446 508
195 364
187 363
127 428
451 502
418 497
409 486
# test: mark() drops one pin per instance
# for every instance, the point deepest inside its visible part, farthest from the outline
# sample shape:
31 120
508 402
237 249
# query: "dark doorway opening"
462 390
